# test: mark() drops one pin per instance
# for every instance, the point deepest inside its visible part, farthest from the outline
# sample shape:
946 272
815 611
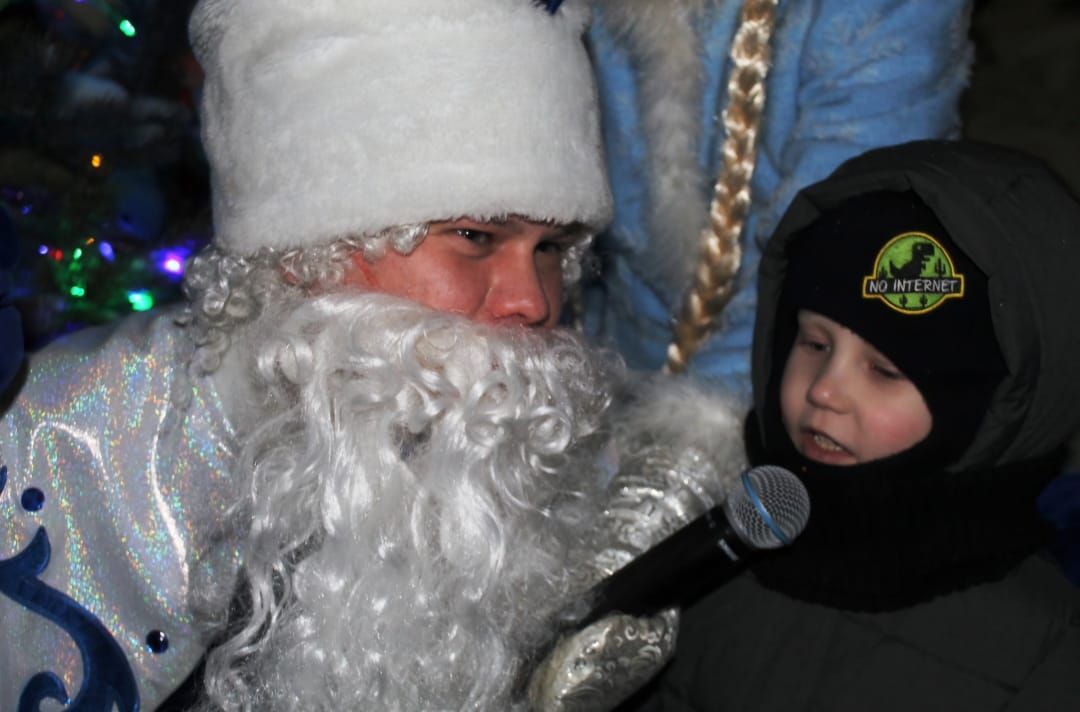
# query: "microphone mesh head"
768 507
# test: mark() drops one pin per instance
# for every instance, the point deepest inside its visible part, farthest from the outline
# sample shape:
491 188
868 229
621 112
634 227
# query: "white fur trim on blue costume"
325 118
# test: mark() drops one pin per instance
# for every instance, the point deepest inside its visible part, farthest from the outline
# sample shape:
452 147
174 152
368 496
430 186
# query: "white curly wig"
226 291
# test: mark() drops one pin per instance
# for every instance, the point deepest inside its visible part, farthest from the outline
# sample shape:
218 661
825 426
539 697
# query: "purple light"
43 250
171 262
106 250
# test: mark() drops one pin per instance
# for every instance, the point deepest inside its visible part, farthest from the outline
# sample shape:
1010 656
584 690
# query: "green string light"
127 28
141 301
78 291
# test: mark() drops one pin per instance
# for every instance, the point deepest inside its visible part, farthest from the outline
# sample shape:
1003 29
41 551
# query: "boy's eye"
812 344
887 371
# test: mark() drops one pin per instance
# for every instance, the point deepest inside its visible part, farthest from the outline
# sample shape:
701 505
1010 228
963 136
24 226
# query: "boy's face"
842 401
506 272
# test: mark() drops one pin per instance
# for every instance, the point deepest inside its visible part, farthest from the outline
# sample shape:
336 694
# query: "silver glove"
665 480
595 669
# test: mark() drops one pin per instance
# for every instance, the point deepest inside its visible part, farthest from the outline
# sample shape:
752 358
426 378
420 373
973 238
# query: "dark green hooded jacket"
1006 643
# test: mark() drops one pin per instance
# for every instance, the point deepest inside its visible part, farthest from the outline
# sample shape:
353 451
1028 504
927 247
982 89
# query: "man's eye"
554 247
477 237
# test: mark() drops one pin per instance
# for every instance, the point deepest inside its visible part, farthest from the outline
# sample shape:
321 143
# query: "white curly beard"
413 494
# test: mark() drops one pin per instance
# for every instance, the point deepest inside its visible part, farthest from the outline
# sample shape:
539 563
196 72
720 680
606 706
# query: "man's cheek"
451 288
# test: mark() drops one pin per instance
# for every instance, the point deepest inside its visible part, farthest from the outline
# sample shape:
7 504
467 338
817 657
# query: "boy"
914 364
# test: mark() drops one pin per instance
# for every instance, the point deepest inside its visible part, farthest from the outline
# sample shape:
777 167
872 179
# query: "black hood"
1018 223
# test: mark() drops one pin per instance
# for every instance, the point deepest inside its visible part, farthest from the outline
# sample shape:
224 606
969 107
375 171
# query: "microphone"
765 508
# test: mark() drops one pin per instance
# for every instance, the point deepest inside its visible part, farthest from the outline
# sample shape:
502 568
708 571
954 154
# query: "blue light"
106 250
171 261
43 250
173 265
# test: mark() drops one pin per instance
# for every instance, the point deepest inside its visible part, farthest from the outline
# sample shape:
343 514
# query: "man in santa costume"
361 468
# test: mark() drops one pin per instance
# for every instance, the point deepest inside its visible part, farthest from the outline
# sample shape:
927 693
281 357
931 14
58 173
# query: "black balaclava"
902 529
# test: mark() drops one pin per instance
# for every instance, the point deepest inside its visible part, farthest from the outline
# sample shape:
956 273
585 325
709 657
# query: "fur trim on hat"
326 118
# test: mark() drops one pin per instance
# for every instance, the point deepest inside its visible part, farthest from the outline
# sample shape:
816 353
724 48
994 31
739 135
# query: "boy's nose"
828 389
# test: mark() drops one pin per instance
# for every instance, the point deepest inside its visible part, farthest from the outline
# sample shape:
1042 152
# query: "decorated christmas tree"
102 178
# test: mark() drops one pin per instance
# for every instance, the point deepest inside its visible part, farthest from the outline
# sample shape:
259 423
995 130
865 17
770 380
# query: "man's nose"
517 294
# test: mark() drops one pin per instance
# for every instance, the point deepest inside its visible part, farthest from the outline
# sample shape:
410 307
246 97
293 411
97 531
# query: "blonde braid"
714 277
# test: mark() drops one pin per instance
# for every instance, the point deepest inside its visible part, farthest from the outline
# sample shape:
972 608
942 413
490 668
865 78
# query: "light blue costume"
846 76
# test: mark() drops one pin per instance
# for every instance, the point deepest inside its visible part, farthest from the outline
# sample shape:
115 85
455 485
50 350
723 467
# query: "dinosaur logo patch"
913 274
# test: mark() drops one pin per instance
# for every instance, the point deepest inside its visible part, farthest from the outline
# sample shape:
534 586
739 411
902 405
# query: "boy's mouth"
820 447
827 443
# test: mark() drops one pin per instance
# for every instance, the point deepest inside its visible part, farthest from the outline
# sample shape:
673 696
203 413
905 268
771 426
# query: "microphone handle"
674 572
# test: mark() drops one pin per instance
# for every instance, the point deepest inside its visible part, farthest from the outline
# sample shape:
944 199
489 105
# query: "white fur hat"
325 118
